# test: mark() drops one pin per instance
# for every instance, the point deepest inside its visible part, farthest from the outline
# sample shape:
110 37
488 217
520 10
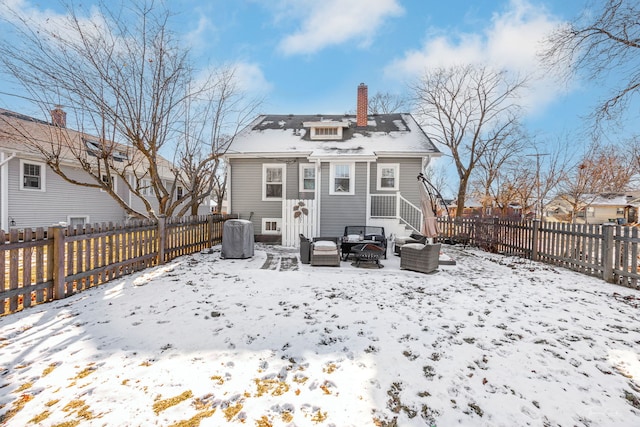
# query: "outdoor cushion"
417 246
353 238
324 245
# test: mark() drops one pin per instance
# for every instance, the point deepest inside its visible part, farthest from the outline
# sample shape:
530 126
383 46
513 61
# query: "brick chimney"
59 117
362 109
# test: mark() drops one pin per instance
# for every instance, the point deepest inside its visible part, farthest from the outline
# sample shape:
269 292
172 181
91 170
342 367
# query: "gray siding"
61 199
138 205
246 192
409 184
338 211
246 189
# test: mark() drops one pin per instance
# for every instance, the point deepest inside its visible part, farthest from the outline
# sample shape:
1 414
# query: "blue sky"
308 56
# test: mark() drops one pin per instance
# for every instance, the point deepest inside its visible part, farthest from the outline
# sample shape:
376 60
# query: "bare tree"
604 41
633 150
600 170
470 110
212 121
499 153
128 83
436 176
385 103
552 169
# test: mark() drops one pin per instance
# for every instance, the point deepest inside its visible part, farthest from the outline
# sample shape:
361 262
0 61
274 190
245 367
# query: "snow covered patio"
268 341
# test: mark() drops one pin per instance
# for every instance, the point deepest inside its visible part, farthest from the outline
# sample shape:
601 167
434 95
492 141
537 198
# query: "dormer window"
326 130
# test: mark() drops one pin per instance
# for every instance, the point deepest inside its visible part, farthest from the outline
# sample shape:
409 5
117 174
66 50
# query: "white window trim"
43 180
304 166
314 126
115 183
266 166
86 218
144 185
396 186
278 222
352 179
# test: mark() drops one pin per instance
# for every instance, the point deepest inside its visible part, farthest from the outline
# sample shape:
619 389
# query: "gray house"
32 195
316 174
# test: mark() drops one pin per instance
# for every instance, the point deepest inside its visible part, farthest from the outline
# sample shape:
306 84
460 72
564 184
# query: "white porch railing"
396 206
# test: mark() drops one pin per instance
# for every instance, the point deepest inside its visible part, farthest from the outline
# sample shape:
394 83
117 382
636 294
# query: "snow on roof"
16 127
616 199
385 134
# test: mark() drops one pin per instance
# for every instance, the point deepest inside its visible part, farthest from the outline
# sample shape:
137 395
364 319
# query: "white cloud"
511 42
332 22
251 78
199 37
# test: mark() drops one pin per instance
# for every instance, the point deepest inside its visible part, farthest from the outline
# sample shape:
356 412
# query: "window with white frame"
271 225
273 179
342 178
326 131
111 181
32 176
77 220
388 174
179 193
307 177
144 186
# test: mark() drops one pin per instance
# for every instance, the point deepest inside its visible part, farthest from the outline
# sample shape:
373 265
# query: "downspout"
4 190
316 196
228 192
368 194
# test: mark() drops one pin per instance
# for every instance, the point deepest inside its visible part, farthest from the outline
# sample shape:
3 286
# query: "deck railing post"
56 234
607 252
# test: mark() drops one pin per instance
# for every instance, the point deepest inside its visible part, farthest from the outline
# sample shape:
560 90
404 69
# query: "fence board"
14 262
26 270
38 268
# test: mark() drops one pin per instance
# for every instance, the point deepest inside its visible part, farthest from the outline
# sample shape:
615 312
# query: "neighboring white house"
620 207
32 195
316 174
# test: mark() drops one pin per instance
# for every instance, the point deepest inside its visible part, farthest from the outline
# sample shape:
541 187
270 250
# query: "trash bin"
237 239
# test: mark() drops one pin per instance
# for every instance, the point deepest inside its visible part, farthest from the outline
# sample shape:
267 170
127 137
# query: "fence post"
535 239
210 221
162 238
56 234
607 253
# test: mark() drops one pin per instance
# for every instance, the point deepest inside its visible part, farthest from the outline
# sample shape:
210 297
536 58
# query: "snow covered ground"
491 341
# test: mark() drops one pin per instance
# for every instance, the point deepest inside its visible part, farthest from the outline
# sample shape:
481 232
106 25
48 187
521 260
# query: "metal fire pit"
367 252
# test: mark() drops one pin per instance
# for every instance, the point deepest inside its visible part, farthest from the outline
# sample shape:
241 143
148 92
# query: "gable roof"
13 127
397 135
616 199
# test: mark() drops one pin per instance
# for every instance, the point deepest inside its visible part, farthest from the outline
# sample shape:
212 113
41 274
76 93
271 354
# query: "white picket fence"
298 217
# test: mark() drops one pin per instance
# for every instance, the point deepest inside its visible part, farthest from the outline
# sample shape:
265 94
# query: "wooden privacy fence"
44 265
607 251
